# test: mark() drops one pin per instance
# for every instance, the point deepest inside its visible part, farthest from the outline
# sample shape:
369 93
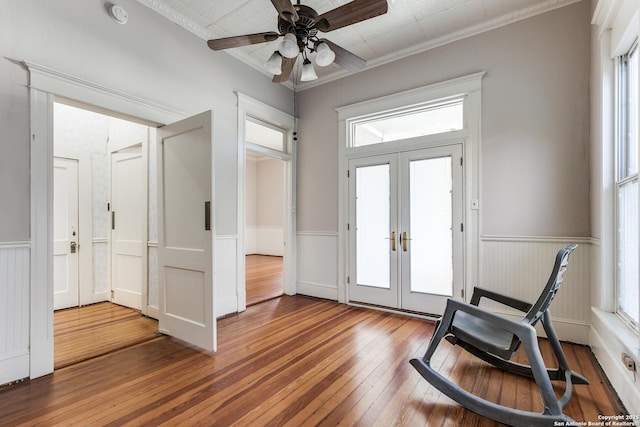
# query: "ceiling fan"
298 25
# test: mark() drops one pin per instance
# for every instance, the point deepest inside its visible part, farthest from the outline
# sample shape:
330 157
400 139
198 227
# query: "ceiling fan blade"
287 67
286 10
350 13
347 60
238 41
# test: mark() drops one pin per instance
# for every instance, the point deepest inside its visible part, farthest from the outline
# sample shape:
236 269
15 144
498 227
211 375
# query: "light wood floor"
264 278
93 330
293 361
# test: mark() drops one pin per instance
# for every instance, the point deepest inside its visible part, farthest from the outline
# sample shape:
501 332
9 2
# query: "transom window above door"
428 119
263 134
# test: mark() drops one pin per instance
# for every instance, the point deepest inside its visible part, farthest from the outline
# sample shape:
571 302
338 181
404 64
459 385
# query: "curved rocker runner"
496 339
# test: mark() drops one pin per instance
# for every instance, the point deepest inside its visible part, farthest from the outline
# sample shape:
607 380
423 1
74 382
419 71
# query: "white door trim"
249 107
468 86
44 85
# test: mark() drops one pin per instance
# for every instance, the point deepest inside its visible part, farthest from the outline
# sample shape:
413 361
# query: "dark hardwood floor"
264 278
293 361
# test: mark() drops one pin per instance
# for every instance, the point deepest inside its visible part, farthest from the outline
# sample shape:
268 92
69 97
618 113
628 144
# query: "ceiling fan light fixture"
289 46
308 73
274 64
324 55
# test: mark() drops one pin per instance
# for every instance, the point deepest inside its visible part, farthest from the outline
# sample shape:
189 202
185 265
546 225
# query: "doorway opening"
100 174
266 203
264 227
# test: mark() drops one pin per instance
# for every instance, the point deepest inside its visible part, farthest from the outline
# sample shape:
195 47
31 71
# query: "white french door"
405 229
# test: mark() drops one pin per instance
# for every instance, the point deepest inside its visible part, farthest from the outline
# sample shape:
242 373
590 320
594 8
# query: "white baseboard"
608 339
14 367
318 290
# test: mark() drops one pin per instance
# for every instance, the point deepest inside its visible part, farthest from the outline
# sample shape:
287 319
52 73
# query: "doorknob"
73 247
404 239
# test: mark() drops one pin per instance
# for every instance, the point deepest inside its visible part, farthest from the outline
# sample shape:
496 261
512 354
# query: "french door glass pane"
372 226
628 298
430 212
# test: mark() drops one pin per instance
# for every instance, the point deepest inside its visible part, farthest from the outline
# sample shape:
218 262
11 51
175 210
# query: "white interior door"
185 232
65 233
405 229
128 242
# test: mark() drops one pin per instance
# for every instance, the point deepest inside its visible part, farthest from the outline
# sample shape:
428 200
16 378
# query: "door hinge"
348 174
108 206
348 227
348 279
461 161
462 227
113 220
113 294
462 293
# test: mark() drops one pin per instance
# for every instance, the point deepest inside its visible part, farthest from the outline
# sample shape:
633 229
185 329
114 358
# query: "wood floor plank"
264 278
292 361
93 330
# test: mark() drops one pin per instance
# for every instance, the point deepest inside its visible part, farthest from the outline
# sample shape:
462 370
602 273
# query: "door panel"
405 217
373 215
185 231
65 233
432 249
128 241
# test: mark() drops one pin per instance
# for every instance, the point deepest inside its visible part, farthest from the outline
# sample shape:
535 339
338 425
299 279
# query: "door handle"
207 216
404 239
73 246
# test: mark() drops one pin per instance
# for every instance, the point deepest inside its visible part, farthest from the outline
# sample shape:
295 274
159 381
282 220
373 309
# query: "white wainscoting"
264 241
317 269
14 311
520 266
225 279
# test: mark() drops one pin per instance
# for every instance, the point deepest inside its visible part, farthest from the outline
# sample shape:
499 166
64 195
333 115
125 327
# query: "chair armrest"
479 293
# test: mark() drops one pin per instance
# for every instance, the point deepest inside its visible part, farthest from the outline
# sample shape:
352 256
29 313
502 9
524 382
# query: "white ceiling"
409 27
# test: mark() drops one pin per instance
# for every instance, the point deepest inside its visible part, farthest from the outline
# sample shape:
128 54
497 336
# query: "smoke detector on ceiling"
119 14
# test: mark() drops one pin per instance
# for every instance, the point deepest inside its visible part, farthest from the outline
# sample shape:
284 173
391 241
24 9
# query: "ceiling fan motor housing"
304 28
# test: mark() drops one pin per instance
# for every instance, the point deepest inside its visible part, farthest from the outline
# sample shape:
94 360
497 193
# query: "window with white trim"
627 189
427 119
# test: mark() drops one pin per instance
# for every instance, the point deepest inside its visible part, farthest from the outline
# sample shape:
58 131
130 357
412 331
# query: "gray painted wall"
535 124
148 57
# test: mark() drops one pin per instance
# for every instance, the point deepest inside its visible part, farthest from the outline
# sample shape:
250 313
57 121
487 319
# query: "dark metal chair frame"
496 339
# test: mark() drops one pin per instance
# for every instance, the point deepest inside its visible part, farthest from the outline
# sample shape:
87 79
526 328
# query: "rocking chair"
496 339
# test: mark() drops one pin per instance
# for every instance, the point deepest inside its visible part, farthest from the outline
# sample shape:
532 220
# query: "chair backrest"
553 284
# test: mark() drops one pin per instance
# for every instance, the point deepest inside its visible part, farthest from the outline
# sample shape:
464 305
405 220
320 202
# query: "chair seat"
482 334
